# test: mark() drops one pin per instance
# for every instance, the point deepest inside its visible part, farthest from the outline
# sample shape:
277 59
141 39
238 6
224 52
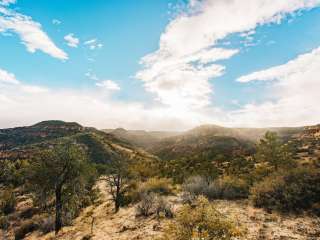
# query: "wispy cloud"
108 85
71 40
6 77
9 81
93 44
7 2
30 32
103 84
56 22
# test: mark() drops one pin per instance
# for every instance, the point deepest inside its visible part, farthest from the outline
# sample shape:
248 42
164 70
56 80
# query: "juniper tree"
118 175
272 151
60 173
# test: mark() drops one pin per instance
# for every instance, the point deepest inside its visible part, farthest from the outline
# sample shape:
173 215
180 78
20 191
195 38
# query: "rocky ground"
99 222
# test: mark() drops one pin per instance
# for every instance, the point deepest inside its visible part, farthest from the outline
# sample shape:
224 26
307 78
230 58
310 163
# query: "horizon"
169 65
155 130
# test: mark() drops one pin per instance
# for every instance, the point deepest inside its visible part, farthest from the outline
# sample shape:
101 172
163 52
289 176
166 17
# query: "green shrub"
201 221
297 190
7 202
157 185
4 222
228 188
25 228
29 212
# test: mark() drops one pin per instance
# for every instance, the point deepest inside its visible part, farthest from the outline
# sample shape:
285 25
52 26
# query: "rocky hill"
46 130
202 138
22 142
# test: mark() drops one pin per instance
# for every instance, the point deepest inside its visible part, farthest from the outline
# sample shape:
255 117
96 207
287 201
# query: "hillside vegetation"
65 181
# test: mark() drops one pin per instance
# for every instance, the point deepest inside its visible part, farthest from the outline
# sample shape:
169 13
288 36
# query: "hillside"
21 143
163 160
46 130
141 138
212 140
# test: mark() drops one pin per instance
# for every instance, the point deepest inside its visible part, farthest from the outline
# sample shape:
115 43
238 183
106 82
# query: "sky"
161 64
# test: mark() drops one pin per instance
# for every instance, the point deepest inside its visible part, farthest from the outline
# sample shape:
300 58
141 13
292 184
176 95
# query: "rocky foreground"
98 222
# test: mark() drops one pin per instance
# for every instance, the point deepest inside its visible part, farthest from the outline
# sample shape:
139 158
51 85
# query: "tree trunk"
117 198
58 223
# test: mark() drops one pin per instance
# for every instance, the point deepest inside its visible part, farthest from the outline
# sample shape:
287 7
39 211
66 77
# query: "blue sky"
162 64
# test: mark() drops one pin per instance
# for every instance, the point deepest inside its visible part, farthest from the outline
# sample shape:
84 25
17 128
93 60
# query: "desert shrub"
195 186
162 206
29 212
296 190
7 201
315 208
157 185
12 172
46 224
260 171
25 228
146 206
201 221
137 189
87 237
227 188
4 222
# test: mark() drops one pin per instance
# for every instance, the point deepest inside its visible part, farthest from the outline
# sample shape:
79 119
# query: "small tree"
118 175
271 150
61 173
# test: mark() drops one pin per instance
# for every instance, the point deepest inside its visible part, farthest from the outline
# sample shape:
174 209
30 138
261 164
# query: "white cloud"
56 22
104 84
178 72
93 44
7 2
7 78
30 33
9 81
92 76
301 64
71 40
295 88
108 85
